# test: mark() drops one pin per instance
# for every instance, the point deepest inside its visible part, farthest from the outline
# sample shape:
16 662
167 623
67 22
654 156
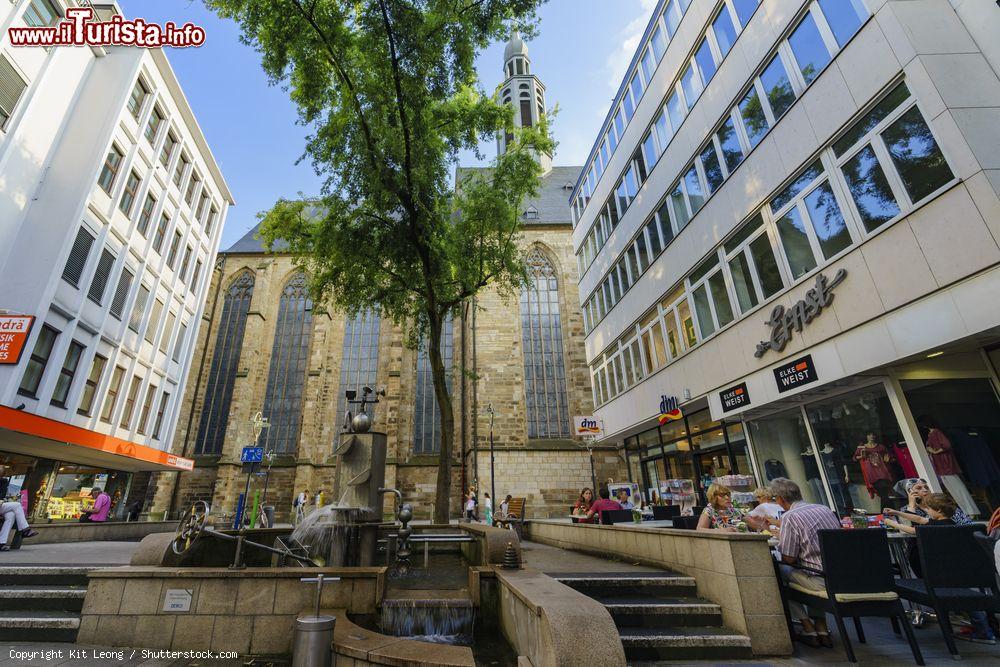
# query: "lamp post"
493 486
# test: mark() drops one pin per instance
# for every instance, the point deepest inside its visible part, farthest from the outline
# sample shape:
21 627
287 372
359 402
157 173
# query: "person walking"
488 505
12 513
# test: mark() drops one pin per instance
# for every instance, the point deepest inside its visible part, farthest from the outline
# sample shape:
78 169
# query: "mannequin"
812 474
837 474
905 460
873 459
946 466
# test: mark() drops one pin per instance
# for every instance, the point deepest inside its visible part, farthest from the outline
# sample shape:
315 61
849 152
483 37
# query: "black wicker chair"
666 512
687 522
858 582
958 576
611 517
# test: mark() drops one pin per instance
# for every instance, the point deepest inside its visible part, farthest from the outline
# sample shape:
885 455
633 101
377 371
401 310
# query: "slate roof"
250 246
552 202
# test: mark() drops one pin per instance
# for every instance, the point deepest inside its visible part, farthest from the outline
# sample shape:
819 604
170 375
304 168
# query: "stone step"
32 598
45 575
39 625
647 584
662 612
684 643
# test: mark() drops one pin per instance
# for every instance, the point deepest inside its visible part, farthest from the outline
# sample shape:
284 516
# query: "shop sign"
14 330
179 462
795 373
803 312
735 397
670 409
177 599
588 427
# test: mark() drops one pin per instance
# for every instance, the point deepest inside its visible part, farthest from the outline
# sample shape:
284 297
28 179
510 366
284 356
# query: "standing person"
799 545
13 512
99 512
470 506
603 505
488 504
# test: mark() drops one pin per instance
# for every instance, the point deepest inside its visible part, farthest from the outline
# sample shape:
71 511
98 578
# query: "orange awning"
26 433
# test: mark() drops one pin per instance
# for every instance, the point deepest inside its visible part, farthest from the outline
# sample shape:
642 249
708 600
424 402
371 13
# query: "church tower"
524 91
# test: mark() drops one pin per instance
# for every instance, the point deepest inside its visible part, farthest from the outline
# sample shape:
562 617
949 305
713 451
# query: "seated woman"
916 491
720 514
766 508
582 507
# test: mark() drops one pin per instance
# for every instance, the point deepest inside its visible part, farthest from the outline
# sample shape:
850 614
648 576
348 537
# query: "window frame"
38 359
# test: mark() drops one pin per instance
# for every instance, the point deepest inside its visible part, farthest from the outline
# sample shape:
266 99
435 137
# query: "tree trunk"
442 497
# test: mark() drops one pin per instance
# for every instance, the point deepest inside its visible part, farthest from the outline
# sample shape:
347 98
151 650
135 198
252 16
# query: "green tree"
389 91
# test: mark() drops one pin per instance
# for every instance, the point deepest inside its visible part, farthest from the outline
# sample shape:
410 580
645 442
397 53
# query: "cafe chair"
858 582
610 517
666 512
958 576
686 522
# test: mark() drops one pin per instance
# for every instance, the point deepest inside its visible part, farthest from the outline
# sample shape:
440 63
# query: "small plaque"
177 599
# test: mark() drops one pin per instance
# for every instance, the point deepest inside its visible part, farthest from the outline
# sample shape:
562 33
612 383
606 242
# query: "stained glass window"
359 362
426 415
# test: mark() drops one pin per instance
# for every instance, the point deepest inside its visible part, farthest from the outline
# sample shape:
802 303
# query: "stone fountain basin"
352 641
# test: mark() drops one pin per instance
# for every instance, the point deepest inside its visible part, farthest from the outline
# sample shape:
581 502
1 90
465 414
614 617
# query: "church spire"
524 91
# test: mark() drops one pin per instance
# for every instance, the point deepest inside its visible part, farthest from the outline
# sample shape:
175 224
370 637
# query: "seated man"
799 545
623 499
604 504
13 512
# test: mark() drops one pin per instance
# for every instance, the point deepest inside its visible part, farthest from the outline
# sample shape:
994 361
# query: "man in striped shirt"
799 545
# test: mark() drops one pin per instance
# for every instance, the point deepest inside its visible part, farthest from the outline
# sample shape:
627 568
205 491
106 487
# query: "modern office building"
111 207
788 229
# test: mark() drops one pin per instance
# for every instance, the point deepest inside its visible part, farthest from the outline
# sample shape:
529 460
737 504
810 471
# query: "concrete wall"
131 531
247 611
733 570
357 647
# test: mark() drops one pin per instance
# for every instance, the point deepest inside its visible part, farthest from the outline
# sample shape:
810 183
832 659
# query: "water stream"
442 621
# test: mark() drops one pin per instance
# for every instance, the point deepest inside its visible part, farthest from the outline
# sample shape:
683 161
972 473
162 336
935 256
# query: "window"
635 86
146 214
114 387
671 17
90 386
695 193
168 149
225 364
161 232
136 99
210 223
777 87
746 8
39 359
426 416
541 335
154 321
359 356
129 193
175 245
711 297
64 382
182 166
179 343
752 266
870 189
706 61
289 364
205 198
916 155
649 149
844 17
121 294
692 85
153 126
809 220
168 329
732 152
164 400
648 65
191 189
130 399
110 170
754 119
11 88
810 52
41 13
138 308
658 44
78 255
665 226
663 134
195 275
710 164
724 31
185 263
680 214
147 407
525 113
99 284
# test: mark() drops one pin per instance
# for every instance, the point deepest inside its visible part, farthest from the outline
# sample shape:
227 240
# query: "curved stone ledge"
490 547
365 647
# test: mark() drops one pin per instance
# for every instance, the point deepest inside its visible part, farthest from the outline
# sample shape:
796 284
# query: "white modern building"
788 228
111 208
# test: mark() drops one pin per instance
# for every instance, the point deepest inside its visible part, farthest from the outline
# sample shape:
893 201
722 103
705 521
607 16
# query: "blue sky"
580 54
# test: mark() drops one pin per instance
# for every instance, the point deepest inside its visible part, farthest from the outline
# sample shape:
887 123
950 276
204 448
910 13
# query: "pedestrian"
470 506
488 504
12 513
99 512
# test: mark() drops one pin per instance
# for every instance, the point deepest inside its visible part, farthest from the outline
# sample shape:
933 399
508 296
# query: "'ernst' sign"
735 397
795 373
783 320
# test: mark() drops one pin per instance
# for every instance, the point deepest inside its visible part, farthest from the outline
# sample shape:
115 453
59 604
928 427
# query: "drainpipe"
220 268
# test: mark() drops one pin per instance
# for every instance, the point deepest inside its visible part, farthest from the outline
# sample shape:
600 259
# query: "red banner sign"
14 330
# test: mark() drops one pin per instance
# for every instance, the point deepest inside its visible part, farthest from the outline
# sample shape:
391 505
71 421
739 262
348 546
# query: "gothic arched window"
287 375
225 361
359 360
541 336
426 415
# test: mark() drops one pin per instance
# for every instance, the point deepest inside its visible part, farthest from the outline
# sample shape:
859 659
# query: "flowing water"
442 621
329 532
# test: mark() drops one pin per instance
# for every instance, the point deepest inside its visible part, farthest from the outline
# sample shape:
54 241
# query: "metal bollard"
312 645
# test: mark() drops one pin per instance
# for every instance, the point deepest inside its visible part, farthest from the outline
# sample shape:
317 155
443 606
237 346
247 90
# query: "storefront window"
861 447
75 488
960 420
784 450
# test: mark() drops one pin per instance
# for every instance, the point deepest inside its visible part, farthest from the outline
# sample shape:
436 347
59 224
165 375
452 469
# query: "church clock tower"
524 91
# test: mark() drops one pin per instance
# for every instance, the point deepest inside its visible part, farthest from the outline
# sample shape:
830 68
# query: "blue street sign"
252 455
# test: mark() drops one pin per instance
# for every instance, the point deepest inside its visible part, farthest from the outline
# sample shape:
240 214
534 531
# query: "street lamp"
493 485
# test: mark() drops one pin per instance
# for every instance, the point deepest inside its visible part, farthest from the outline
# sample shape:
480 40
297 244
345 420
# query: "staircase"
660 617
41 603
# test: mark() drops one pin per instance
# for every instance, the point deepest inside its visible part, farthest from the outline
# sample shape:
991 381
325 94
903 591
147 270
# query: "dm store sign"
795 373
670 409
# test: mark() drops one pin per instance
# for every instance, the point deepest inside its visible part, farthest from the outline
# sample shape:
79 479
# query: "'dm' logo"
588 426
669 409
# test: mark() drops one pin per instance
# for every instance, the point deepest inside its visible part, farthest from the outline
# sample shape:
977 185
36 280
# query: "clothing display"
905 460
955 487
878 479
944 460
810 465
978 462
773 469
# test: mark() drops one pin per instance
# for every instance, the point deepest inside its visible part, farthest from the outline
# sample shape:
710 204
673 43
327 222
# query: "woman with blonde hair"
720 514
766 508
